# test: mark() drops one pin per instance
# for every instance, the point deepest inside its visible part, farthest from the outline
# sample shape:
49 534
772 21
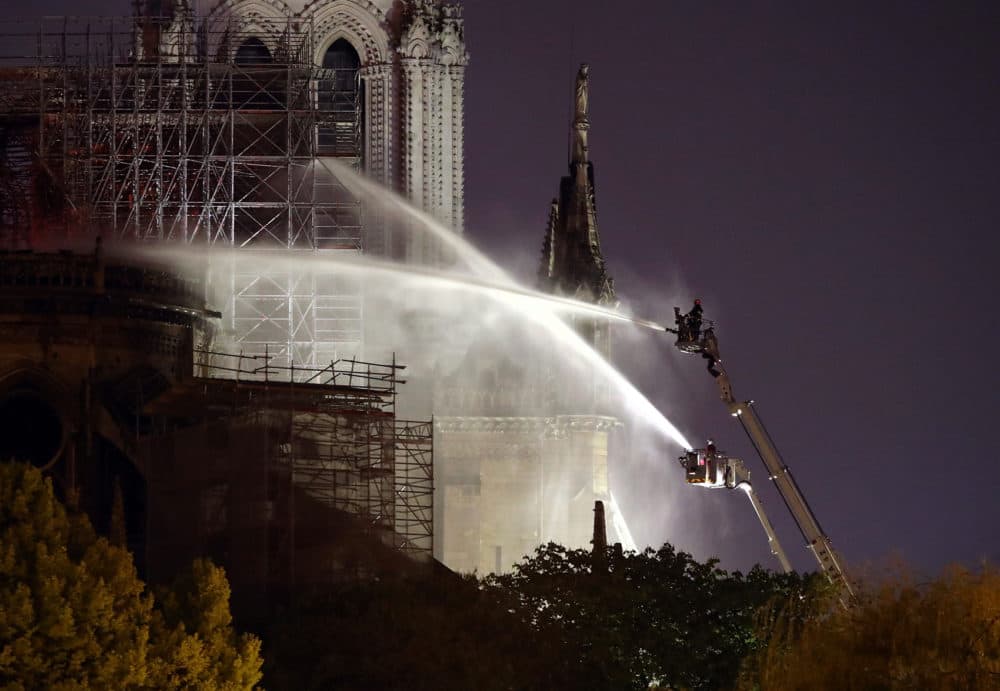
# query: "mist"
475 342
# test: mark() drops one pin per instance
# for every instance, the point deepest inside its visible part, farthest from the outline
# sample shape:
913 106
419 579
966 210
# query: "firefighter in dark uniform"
710 460
689 336
694 325
694 320
680 321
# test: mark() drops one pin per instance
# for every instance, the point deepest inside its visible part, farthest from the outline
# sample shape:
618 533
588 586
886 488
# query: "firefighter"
694 320
681 324
710 460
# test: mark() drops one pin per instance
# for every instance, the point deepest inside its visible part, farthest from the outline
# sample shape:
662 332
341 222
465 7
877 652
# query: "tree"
562 619
74 614
438 631
899 635
654 617
194 643
72 611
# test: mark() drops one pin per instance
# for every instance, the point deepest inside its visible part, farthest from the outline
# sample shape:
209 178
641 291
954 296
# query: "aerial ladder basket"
696 336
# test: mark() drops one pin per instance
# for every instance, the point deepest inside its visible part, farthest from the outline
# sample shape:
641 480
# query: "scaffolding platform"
311 461
192 130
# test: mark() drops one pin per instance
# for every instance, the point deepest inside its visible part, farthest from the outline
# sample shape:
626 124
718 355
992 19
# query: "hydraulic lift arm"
712 470
772 537
780 473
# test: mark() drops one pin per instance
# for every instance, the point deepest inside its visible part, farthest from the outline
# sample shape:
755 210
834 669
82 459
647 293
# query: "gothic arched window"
252 52
341 98
256 84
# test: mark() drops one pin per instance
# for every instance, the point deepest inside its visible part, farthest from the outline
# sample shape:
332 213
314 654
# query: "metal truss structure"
334 442
180 129
222 133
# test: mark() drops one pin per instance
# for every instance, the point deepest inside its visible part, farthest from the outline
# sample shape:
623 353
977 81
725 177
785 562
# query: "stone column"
377 148
456 79
379 121
418 155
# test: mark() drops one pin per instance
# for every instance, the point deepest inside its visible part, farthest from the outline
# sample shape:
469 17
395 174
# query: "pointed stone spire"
572 263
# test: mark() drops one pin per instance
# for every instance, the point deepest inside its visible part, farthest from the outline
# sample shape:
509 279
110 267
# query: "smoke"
473 331
424 227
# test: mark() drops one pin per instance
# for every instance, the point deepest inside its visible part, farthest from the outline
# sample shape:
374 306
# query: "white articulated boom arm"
711 469
772 537
816 539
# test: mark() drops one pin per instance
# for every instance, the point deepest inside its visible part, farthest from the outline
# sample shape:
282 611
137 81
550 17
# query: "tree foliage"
194 643
442 632
654 617
558 621
74 614
899 635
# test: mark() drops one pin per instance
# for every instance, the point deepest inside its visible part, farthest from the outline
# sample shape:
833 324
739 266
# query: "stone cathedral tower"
519 464
410 60
572 264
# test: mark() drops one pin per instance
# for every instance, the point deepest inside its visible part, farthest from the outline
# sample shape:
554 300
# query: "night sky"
825 177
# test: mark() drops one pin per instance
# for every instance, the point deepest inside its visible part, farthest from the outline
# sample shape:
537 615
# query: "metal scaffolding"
200 131
290 458
345 447
287 476
221 133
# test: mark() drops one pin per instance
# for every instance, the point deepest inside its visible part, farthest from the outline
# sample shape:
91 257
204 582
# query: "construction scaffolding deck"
307 462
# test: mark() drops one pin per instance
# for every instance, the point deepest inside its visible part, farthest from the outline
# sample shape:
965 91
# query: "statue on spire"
582 93
581 120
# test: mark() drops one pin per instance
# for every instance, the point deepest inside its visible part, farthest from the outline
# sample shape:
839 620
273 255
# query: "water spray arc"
285 217
542 313
363 265
545 317
555 302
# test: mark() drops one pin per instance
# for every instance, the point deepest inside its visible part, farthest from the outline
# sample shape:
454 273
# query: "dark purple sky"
826 179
